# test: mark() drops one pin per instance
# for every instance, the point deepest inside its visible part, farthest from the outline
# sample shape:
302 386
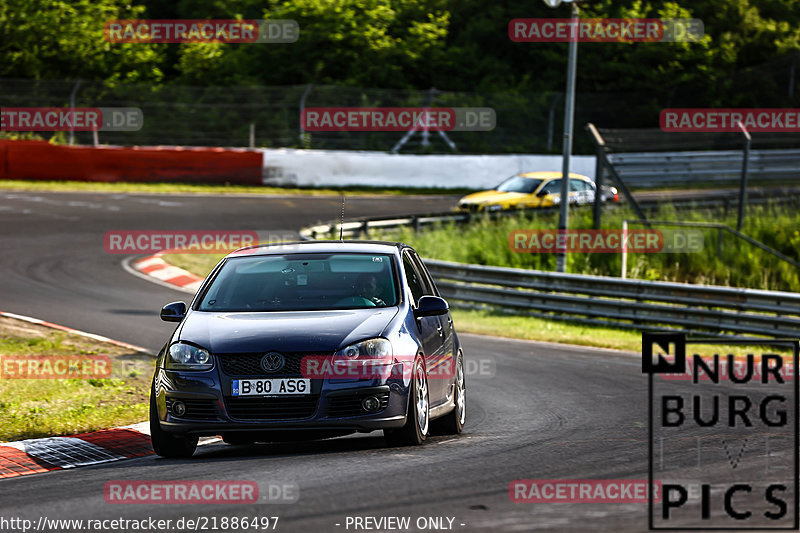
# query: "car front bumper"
333 406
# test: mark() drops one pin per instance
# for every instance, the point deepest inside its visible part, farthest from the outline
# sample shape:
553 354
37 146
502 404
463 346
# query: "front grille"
196 409
350 405
249 364
275 408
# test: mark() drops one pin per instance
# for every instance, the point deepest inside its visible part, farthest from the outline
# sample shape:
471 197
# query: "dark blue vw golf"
309 340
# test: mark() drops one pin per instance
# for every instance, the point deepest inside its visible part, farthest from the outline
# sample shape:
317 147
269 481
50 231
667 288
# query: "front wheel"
165 444
415 431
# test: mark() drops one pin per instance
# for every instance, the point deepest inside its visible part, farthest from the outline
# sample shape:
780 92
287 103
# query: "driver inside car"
367 287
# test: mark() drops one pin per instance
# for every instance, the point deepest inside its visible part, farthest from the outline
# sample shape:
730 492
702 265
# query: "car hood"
295 331
491 197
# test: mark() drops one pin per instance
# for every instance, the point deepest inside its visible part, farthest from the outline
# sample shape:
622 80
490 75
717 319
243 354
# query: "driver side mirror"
542 192
173 312
431 306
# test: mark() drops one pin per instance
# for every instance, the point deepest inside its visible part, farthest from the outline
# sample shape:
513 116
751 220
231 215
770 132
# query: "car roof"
551 175
281 248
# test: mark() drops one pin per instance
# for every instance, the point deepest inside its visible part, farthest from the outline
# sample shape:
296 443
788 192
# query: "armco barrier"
619 302
40 160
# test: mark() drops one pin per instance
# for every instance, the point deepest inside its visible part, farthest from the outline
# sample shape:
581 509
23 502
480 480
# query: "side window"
414 283
554 187
577 185
428 287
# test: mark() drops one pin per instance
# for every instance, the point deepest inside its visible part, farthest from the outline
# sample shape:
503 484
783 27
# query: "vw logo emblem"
272 362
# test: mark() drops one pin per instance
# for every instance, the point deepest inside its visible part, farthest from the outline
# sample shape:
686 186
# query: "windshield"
297 282
519 184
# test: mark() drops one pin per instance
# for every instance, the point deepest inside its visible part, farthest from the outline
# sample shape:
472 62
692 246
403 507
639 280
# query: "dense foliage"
747 57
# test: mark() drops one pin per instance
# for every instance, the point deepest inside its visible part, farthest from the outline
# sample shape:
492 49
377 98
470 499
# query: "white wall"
339 168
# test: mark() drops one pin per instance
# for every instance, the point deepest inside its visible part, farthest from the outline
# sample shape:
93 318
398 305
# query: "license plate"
270 387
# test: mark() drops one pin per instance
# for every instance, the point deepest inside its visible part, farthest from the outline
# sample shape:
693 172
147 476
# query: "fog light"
371 403
178 408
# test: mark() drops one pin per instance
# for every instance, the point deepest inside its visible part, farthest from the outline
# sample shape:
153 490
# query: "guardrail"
722 167
618 302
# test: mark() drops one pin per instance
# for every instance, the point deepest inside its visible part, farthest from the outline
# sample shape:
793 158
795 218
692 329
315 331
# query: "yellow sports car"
535 189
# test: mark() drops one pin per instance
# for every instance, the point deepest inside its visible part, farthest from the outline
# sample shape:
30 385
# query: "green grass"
31 408
536 329
199 188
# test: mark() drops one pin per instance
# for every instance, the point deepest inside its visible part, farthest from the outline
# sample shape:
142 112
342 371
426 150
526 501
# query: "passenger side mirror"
431 306
541 193
173 312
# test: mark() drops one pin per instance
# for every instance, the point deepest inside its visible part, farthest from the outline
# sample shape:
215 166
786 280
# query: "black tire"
236 439
166 444
417 427
453 422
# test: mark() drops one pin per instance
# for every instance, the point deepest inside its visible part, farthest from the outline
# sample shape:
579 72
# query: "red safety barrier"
40 160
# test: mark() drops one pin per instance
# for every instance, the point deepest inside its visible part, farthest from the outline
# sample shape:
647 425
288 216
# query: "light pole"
569 115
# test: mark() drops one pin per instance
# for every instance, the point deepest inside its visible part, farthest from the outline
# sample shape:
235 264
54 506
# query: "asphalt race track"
548 412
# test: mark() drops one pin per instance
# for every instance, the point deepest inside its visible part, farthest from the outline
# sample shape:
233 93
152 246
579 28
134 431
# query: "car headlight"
368 349
182 356
494 207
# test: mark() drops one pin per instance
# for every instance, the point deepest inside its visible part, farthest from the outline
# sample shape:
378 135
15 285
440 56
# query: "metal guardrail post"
600 150
743 182
598 140
303 135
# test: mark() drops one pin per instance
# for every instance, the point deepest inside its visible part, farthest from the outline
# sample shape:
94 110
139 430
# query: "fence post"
624 249
252 135
743 181
303 135
598 180
598 140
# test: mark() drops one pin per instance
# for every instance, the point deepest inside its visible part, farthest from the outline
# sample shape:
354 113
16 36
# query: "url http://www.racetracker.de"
45 524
